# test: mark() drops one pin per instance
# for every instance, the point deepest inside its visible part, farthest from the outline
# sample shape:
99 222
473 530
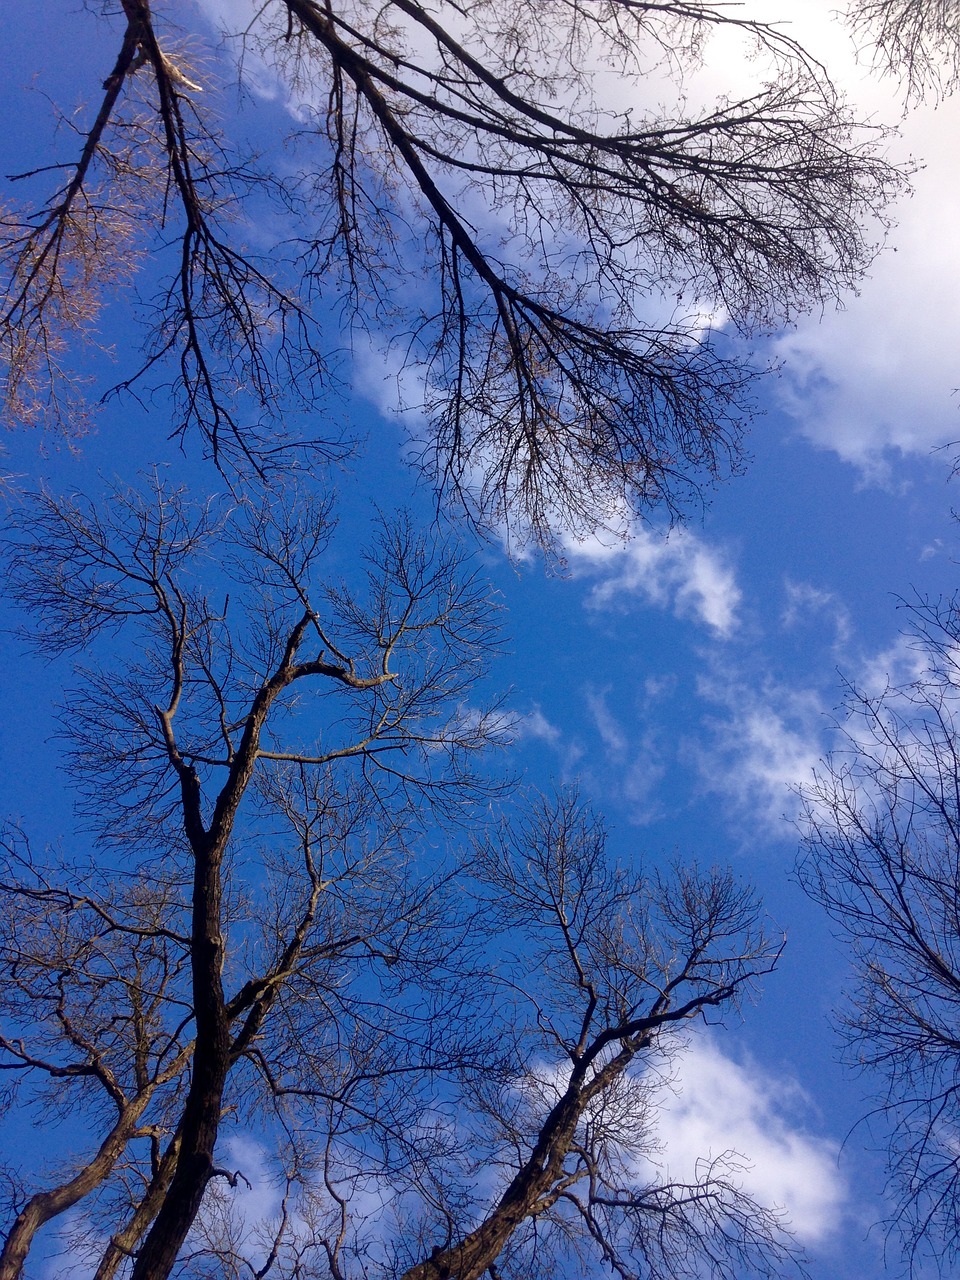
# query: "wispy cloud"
807 604
896 666
611 732
536 725
677 571
764 738
763 744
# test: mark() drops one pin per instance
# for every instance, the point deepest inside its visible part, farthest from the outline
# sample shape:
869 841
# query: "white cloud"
637 759
807 604
765 740
766 743
257 1194
385 378
611 733
677 570
656 687
536 725
894 667
232 16
707 1107
714 1106
874 377
640 782
877 378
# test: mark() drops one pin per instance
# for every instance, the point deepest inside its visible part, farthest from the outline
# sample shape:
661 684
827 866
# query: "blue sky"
688 681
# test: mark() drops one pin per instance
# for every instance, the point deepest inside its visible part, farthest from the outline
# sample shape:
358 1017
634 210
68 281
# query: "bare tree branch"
882 853
456 189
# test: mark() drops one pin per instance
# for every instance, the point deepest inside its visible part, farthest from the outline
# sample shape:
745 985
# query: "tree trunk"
124 1242
469 1259
211 1063
43 1206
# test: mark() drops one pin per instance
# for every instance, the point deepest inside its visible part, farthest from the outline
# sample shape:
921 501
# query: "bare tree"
918 40
261 943
184 755
603 968
883 855
540 1156
94 1017
544 260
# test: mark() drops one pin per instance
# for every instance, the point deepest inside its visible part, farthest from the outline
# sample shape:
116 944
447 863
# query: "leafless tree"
883 856
191 764
95 1012
456 184
538 1157
918 40
602 967
261 944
